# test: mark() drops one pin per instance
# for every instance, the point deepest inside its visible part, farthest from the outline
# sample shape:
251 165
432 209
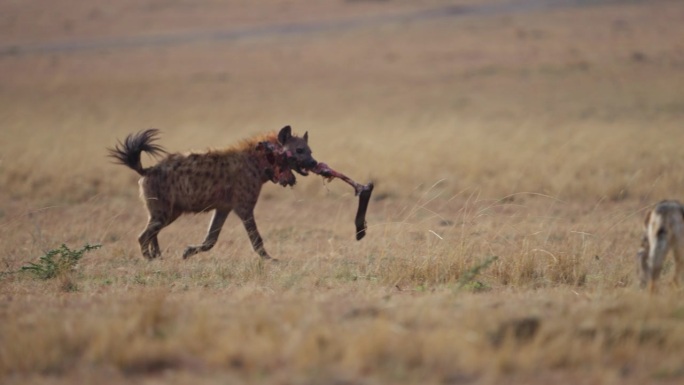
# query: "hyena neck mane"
263 151
249 145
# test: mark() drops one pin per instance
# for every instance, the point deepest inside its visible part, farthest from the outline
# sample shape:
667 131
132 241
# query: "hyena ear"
648 218
306 139
285 134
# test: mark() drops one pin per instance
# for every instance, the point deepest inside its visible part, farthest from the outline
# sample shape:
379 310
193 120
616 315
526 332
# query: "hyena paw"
190 251
268 258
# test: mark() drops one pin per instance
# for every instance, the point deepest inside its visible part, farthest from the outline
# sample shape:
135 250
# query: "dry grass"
538 138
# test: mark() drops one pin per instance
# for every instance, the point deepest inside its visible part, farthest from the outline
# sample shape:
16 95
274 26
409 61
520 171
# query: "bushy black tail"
128 152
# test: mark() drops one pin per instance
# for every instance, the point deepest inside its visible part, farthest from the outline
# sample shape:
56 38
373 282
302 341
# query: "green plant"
466 279
57 261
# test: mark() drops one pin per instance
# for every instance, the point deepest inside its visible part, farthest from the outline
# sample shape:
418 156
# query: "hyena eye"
300 151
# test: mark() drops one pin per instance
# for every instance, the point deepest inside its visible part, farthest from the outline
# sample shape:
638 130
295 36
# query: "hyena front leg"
217 222
248 221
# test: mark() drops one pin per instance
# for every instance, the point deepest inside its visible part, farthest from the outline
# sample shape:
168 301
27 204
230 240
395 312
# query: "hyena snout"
302 164
310 163
302 160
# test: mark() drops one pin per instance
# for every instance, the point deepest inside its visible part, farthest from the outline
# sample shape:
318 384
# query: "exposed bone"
325 171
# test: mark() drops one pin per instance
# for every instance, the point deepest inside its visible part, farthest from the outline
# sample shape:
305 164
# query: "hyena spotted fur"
216 180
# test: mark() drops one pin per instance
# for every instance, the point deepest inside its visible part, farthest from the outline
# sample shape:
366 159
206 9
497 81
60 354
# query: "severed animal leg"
362 191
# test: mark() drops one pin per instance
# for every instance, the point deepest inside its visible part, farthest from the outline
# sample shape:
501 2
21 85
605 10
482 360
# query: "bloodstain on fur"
216 180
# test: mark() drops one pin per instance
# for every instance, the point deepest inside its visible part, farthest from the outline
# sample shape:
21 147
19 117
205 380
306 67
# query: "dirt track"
294 28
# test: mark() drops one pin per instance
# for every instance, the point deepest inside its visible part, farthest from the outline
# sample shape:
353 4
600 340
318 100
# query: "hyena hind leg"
217 222
148 239
149 244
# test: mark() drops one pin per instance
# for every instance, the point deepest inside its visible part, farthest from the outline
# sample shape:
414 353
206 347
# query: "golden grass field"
537 135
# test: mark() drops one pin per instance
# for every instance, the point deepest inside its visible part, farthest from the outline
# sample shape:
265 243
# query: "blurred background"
569 98
577 101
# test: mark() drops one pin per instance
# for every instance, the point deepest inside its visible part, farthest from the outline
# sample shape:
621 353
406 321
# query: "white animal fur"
663 231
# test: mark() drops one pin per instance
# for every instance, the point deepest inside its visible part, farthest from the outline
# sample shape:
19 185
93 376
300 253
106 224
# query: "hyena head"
297 151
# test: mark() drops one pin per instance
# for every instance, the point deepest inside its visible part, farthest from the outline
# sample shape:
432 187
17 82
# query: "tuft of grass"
57 262
467 279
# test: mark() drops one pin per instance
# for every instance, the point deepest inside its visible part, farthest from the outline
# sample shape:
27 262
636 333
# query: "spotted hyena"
216 180
663 231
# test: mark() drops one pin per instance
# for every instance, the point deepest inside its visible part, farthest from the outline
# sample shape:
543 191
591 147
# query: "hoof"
189 252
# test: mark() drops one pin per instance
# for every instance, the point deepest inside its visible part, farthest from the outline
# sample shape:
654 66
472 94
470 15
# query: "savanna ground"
535 135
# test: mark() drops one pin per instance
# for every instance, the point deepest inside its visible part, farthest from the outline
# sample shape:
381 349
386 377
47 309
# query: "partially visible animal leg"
156 251
149 245
656 262
679 263
659 247
217 222
254 236
642 262
149 235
